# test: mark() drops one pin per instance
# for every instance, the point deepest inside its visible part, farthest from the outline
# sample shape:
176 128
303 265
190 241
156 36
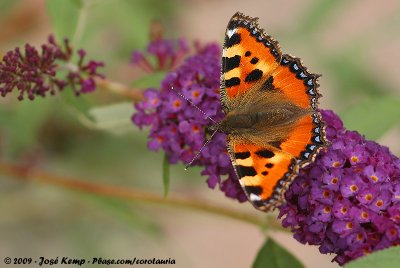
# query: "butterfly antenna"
194 105
198 153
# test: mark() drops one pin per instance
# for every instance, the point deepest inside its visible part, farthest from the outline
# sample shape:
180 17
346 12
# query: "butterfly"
270 102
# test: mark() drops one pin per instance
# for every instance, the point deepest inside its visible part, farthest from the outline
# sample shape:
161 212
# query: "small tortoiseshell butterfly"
270 101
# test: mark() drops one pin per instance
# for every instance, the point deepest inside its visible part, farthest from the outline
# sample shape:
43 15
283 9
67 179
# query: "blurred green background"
355 45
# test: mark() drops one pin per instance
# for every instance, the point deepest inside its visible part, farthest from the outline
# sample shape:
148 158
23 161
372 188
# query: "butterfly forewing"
249 54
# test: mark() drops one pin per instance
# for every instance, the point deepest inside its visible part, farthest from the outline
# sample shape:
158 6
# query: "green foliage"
64 15
166 175
22 123
388 258
272 255
121 26
5 6
373 117
150 80
79 105
114 118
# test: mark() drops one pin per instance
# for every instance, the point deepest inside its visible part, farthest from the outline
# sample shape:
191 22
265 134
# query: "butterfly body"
270 101
261 119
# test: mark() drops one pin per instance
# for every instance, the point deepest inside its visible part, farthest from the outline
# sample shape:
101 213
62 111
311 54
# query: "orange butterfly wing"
250 56
264 172
300 87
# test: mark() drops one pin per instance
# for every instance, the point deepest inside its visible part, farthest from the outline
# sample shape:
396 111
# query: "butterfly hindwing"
306 139
249 56
263 172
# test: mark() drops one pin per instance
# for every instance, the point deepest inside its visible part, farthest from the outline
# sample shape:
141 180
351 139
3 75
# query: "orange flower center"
366 251
195 94
334 180
354 159
177 103
349 225
392 231
336 164
360 237
379 203
364 215
374 178
353 188
195 129
368 197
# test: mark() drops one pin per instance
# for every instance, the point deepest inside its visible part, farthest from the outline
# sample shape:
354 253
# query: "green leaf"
127 23
22 123
388 258
272 255
80 104
166 175
114 118
373 117
64 15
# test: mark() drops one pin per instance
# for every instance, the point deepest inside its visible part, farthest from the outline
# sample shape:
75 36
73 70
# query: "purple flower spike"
178 127
363 179
34 74
347 201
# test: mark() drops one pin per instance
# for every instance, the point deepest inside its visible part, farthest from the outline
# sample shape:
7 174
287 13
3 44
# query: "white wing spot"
231 32
254 197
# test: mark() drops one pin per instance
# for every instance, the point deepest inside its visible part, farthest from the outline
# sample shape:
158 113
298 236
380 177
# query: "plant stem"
33 174
120 89
115 87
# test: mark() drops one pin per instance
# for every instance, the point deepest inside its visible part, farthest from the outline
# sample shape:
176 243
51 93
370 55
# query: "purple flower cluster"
348 200
176 126
34 74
